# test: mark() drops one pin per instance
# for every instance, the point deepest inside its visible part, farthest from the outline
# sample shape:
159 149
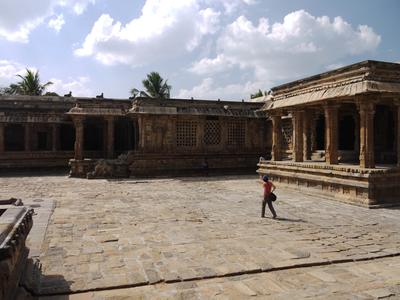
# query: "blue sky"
206 49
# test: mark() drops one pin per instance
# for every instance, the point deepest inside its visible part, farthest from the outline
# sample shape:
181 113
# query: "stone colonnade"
79 121
304 135
55 140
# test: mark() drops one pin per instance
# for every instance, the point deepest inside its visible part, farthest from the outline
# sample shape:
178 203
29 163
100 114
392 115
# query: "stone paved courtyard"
204 238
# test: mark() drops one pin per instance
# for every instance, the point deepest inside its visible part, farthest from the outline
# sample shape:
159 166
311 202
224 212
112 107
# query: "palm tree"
29 85
155 87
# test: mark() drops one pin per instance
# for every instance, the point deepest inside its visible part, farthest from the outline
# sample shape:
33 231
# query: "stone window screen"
237 133
186 133
212 132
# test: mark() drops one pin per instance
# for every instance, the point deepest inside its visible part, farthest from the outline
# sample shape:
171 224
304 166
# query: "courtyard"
202 238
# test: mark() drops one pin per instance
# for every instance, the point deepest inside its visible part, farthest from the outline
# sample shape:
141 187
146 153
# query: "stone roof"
197 107
367 77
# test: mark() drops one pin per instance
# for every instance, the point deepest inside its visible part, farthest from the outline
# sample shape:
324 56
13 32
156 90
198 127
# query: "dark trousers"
270 206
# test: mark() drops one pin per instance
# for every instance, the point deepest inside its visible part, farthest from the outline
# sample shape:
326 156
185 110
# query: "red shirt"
267 188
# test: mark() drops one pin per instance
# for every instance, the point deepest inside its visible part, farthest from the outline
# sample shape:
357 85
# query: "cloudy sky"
206 49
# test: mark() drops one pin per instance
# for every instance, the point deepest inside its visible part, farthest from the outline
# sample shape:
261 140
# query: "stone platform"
372 188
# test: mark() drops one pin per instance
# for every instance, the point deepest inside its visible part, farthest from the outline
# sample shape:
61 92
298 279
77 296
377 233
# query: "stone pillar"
79 136
276 153
55 138
110 137
313 131
27 137
1 138
367 111
331 134
306 136
398 136
297 118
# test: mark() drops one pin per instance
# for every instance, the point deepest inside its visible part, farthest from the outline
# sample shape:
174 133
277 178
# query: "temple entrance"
320 131
94 134
347 136
67 137
384 135
14 137
124 135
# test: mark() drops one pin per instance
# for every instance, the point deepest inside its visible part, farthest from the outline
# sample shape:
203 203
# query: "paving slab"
104 234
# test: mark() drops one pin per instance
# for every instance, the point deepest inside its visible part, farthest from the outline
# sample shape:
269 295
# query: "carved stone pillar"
28 137
1 138
398 136
79 136
297 118
306 135
313 131
331 134
276 153
110 137
55 138
366 111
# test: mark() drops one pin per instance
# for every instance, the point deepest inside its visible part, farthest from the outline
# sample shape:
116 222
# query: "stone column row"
301 135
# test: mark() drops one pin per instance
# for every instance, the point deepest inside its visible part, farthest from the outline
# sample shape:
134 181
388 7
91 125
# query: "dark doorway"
94 135
67 137
384 134
347 133
14 137
320 130
43 141
124 135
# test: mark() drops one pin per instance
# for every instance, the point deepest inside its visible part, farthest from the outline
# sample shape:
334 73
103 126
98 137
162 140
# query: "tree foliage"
257 94
28 85
155 86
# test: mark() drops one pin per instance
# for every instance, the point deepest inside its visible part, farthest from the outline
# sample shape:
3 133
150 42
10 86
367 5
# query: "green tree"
256 95
29 85
156 87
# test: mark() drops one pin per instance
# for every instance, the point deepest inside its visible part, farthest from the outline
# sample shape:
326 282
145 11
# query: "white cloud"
19 17
9 70
57 23
208 65
210 89
78 87
164 29
285 50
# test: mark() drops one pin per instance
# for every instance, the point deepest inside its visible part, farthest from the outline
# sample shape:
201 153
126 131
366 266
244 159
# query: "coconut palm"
156 87
29 85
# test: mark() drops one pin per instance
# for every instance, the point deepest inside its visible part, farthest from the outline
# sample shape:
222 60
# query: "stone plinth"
180 164
348 183
15 224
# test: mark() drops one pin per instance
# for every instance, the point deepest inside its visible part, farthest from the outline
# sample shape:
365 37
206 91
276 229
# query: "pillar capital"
109 118
78 120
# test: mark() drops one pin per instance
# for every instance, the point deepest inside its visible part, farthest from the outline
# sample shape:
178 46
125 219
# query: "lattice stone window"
237 133
212 132
186 134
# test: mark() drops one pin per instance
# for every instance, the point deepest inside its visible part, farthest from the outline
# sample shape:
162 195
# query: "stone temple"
336 133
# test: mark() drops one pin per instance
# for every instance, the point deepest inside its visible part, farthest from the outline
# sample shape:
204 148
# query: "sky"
207 49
